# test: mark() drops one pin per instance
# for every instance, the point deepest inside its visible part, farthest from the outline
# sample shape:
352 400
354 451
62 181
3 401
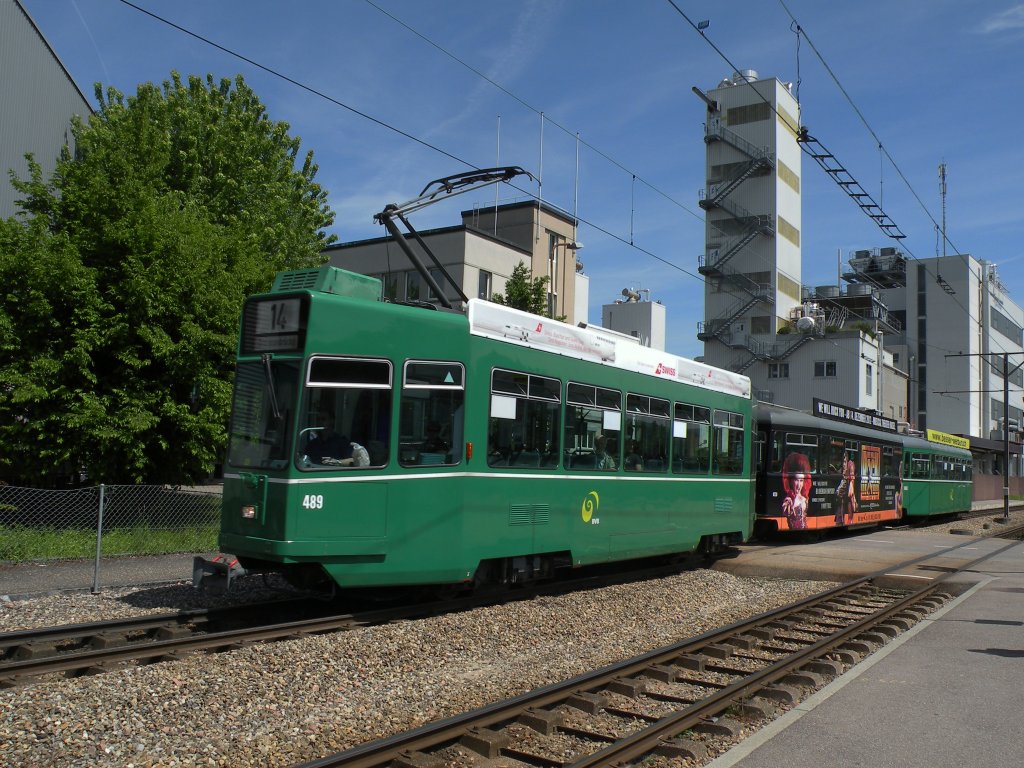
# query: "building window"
1007 327
389 285
869 376
413 286
483 290
778 370
438 277
825 368
787 175
788 231
748 114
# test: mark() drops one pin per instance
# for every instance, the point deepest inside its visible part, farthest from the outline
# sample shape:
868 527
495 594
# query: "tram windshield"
261 415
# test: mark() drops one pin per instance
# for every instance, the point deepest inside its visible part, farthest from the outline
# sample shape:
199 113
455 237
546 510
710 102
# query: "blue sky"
937 81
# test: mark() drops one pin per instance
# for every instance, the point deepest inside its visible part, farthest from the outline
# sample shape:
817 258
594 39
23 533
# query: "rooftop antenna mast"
942 195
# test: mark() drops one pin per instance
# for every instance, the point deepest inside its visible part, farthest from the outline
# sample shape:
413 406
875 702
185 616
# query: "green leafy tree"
123 280
523 292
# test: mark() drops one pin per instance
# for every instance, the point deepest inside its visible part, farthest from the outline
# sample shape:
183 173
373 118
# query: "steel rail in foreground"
474 727
435 735
645 741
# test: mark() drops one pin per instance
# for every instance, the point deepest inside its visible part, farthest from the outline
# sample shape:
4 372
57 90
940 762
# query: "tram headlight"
248 511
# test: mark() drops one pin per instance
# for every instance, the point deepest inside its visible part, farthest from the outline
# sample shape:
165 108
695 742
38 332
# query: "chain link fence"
106 521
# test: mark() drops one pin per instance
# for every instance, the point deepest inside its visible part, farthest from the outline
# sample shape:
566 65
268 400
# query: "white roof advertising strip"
513 326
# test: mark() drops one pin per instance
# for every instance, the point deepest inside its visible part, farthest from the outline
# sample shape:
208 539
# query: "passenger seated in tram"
634 461
602 460
326 446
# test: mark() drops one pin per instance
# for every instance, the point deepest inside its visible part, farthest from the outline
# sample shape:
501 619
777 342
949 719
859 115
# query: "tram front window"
261 415
346 414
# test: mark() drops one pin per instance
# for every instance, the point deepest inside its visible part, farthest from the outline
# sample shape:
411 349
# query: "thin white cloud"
92 39
1009 20
520 48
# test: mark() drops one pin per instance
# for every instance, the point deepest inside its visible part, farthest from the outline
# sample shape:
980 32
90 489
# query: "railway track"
686 701
86 649
93 648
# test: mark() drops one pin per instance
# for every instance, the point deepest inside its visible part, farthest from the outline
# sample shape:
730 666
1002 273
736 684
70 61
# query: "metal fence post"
99 541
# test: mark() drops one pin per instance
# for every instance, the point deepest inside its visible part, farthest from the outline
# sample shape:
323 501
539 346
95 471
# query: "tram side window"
804 445
919 467
728 443
833 451
852 450
593 425
347 414
431 413
524 420
891 460
691 439
778 444
646 440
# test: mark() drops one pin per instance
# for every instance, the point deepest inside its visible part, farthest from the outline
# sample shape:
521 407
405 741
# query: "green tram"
937 478
381 444
814 473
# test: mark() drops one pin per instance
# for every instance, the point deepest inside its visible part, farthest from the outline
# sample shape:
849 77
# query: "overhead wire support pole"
1006 418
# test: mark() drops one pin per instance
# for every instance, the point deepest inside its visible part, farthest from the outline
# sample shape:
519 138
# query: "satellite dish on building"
805 324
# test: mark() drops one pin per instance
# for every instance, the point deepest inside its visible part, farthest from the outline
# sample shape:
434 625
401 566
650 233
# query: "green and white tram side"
937 476
487 445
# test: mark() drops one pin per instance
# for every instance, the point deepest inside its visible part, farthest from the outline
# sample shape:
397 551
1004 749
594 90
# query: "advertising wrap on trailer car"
814 473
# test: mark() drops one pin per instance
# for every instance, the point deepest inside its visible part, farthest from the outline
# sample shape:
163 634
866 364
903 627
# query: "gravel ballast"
296 700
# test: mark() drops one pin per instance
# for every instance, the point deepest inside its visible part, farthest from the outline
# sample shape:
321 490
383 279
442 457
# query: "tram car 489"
376 444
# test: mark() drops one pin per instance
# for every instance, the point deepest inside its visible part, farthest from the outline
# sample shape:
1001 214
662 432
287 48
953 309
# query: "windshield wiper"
271 389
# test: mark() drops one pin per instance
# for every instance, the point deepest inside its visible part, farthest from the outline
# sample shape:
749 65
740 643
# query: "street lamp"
569 245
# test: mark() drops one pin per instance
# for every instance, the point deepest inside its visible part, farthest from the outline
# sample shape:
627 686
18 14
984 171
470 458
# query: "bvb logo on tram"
591 503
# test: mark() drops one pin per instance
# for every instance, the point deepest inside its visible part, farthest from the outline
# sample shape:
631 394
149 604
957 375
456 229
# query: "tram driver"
326 446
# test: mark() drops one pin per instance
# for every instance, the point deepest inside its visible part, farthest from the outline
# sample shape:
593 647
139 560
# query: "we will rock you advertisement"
801 498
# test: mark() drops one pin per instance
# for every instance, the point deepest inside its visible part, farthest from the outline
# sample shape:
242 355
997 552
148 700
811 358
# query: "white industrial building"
751 260
637 316
922 342
794 344
960 328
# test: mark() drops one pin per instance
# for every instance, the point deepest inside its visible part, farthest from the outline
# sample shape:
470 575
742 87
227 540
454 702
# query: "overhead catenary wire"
547 118
405 134
569 132
795 25
882 150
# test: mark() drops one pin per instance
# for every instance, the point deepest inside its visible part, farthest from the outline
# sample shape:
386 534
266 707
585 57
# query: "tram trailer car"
814 473
485 446
937 478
